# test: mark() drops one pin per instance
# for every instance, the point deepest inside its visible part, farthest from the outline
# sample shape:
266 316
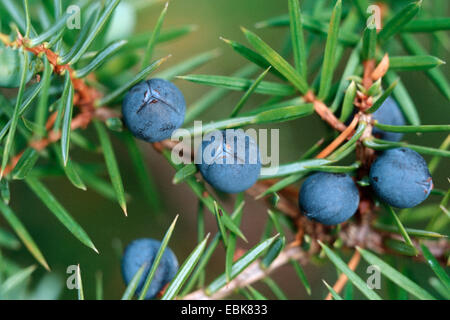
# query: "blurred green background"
104 221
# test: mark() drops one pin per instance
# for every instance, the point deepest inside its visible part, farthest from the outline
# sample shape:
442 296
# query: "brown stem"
84 99
381 69
369 66
324 112
53 136
348 132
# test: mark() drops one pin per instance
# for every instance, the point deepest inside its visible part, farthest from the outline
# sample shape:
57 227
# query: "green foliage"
158 257
83 77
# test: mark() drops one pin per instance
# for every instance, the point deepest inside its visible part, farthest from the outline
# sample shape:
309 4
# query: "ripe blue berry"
400 177
230 160
153 109
143 251
329 198
389 113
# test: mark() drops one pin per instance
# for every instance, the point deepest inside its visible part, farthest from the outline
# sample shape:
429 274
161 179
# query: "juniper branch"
352 235
252 274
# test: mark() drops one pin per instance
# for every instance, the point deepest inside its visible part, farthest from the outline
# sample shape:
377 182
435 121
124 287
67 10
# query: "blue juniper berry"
153 109
229 160
143 251
400 177
329 198
389 113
